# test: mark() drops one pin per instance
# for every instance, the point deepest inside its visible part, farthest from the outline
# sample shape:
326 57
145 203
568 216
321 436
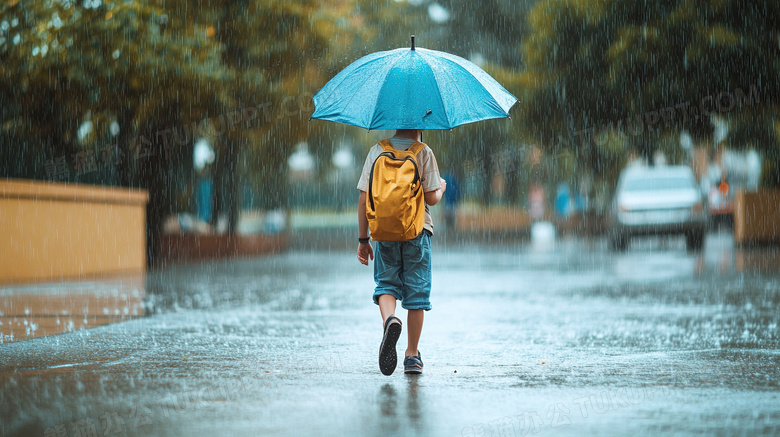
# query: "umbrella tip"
412 42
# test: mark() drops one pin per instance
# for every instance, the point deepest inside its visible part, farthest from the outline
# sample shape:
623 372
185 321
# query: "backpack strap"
416 148
387 150
386 145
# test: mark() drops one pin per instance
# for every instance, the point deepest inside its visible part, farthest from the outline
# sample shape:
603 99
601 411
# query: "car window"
658 184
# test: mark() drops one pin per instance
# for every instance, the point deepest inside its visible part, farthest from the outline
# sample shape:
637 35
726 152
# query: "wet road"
523 339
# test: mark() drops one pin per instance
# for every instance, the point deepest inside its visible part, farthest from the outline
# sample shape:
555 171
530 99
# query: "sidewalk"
520 342
338 230
34 310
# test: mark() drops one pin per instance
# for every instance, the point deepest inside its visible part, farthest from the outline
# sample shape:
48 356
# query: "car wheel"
694 240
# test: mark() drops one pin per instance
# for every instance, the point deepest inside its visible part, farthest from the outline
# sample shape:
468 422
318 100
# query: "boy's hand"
364 253
433 197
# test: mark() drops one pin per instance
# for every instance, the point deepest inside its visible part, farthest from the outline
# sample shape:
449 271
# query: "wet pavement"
34 310
524 339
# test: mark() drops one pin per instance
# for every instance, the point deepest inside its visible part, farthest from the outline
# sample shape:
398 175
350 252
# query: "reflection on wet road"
35 310
568 340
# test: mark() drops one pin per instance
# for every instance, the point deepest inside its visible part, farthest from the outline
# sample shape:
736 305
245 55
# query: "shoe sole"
388 359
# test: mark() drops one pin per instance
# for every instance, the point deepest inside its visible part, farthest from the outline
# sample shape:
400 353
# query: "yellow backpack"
395 205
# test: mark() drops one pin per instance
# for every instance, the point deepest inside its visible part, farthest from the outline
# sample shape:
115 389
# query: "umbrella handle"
412 42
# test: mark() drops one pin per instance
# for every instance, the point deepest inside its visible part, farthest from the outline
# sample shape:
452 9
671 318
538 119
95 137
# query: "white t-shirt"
426 161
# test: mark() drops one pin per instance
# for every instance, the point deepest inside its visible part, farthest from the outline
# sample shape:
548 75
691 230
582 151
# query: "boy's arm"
433 197
362 219
364 251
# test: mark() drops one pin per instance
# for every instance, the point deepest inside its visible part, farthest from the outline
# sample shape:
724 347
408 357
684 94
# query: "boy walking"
402 254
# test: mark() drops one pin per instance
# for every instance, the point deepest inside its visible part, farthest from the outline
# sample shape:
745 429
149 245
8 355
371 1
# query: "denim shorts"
403 269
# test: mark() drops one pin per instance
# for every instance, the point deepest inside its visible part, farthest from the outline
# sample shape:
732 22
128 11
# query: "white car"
663 200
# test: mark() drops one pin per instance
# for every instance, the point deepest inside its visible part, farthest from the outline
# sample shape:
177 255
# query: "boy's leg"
414 324
388 358
387 275
417 287
387 268
386 306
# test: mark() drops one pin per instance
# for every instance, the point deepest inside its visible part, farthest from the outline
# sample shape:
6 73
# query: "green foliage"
584 71
685 51
141 66
654 68
149 78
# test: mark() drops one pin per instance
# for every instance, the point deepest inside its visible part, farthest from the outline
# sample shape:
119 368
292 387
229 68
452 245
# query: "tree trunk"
770 174
121 157
226 180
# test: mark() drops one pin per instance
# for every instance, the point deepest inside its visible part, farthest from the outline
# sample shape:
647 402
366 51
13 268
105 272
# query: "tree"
565 101
128 86
687 59
135 73
635 73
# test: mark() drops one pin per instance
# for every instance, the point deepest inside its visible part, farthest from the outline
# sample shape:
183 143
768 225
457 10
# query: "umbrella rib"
446 73
358 93
484 79
438 88
381 84
345 73
453 82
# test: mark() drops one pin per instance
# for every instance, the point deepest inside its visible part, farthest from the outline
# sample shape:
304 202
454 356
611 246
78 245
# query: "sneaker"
413 365
388 359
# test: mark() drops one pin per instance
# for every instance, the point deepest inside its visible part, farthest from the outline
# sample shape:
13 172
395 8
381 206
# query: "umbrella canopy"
411 89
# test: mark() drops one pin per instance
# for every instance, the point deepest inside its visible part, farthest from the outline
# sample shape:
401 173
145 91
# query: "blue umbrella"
411 89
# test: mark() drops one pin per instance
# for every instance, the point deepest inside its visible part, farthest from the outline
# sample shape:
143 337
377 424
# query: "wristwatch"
364 240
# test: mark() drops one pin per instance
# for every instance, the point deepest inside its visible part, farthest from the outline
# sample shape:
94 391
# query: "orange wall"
53 231
757 217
